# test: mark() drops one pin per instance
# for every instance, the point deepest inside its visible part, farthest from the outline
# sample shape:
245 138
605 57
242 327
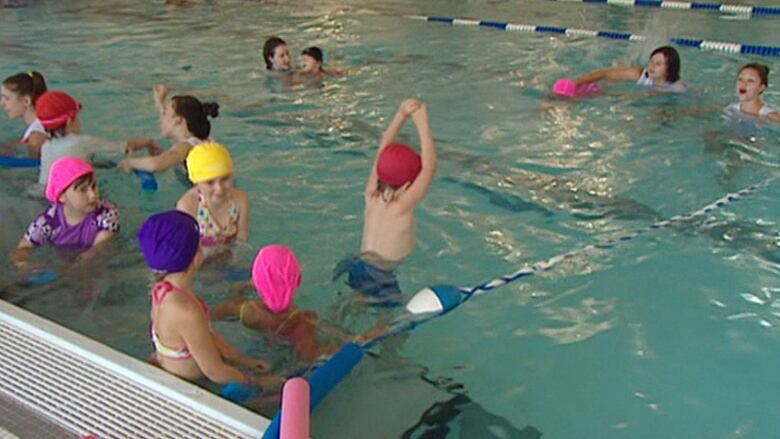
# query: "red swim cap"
398 164
55 108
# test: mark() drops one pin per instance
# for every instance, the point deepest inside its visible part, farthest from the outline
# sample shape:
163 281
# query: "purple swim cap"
169 241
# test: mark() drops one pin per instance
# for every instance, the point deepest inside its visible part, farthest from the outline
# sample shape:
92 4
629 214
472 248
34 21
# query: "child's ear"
28 101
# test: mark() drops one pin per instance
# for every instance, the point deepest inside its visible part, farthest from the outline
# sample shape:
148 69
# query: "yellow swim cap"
208 161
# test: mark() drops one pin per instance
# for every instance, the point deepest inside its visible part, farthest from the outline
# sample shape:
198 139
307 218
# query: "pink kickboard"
567 88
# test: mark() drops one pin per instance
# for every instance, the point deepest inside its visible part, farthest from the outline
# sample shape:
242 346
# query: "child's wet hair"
57 132
761 69
314 52
672 62
387 191
195 114
85 179
268 50
29 84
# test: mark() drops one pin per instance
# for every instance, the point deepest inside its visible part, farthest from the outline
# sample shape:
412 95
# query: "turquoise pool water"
674 334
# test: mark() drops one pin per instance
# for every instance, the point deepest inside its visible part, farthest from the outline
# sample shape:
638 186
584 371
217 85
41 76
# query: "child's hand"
409 106
125 166
160 92
256 364
269 383
371 334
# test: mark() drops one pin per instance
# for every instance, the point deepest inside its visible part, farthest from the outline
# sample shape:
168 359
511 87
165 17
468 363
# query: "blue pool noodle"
43 277
148 182
19 162
323 380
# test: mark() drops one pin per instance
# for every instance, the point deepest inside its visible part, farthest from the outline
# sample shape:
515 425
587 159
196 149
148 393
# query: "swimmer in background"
222 211
662 73
59 115
276 276
311 66
277 57
19 94
185 343
185 121
752 81
399 180
78 219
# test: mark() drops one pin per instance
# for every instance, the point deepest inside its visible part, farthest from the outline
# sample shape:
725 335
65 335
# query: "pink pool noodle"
295 410
567 88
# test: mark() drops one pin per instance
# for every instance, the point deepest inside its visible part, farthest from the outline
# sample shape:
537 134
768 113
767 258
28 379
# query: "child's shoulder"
240 195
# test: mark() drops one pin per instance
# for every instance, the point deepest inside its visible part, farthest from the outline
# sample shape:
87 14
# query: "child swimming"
59 115
398 181
276 55
662 72
185 343
311 65
276 275
222 211
19 94
752 81
78 219
185 121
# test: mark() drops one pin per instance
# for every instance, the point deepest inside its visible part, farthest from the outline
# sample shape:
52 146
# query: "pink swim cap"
564 87
276 275
398 164
63 173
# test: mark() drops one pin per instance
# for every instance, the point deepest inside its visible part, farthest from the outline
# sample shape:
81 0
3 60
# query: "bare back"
166 319
389 228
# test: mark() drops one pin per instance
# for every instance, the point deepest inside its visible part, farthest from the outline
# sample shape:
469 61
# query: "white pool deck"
55 382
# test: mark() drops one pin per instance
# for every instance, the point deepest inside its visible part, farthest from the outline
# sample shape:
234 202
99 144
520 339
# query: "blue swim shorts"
380 284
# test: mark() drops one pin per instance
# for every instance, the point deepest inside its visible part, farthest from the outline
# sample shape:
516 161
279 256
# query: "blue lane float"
737 48
723 8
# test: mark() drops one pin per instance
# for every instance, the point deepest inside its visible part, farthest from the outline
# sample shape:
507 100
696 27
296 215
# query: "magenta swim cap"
276 275
398 164
63 173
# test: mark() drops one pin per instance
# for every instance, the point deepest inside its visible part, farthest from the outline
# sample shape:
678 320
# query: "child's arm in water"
230 353
21 253
201 343
156 163
614 73
33 145
101 241
774 116
97 145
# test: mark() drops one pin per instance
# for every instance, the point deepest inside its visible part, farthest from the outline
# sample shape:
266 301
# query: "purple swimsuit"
50 226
